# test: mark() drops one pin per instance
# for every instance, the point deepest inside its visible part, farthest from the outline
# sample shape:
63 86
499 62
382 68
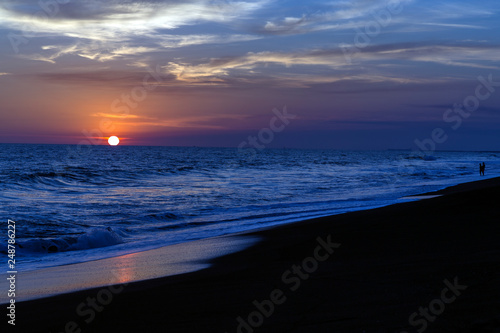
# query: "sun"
113 140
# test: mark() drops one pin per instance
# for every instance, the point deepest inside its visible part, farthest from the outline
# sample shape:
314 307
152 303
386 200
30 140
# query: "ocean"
73 206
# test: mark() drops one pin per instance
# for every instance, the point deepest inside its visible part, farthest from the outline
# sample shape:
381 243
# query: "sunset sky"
360 74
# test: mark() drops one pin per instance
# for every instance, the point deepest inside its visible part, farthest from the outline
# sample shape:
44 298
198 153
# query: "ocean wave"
164 216
185 168
72 176
420 157
50 177
95 238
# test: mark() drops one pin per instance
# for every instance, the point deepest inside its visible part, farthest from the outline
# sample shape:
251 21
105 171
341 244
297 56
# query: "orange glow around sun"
113 140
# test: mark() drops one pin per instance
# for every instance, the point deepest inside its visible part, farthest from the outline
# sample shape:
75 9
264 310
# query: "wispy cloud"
374 59
115 116
99 77
373 64
461 55
115 20
351 15
454 10
108 30
451 25
338 15
175 41
134 120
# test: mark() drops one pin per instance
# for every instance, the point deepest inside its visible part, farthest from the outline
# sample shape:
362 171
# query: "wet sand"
166 261
375 271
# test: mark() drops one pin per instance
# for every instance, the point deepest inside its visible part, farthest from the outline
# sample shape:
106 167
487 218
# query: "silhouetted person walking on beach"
481 168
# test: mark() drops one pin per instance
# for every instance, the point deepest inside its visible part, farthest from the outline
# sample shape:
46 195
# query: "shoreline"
393 201
173 249
166 261
377 247
38 260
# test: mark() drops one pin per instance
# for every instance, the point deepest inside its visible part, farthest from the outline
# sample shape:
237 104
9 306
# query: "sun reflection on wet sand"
165 261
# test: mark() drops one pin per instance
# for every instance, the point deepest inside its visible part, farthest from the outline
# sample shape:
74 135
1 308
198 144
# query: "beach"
428 265
248 166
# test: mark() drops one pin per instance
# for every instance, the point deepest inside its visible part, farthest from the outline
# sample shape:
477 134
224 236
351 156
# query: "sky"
360 74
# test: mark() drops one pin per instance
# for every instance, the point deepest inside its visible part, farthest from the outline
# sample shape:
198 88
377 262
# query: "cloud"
101 77
450 25
339 15
221 67
289 25
357 14
454 10
460 55
117 20
132 120
372 63
108 30
302 69
116 116
207 122
176 41
108 51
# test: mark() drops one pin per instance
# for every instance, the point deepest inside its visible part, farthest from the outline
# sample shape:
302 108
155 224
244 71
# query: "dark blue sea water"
72 206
